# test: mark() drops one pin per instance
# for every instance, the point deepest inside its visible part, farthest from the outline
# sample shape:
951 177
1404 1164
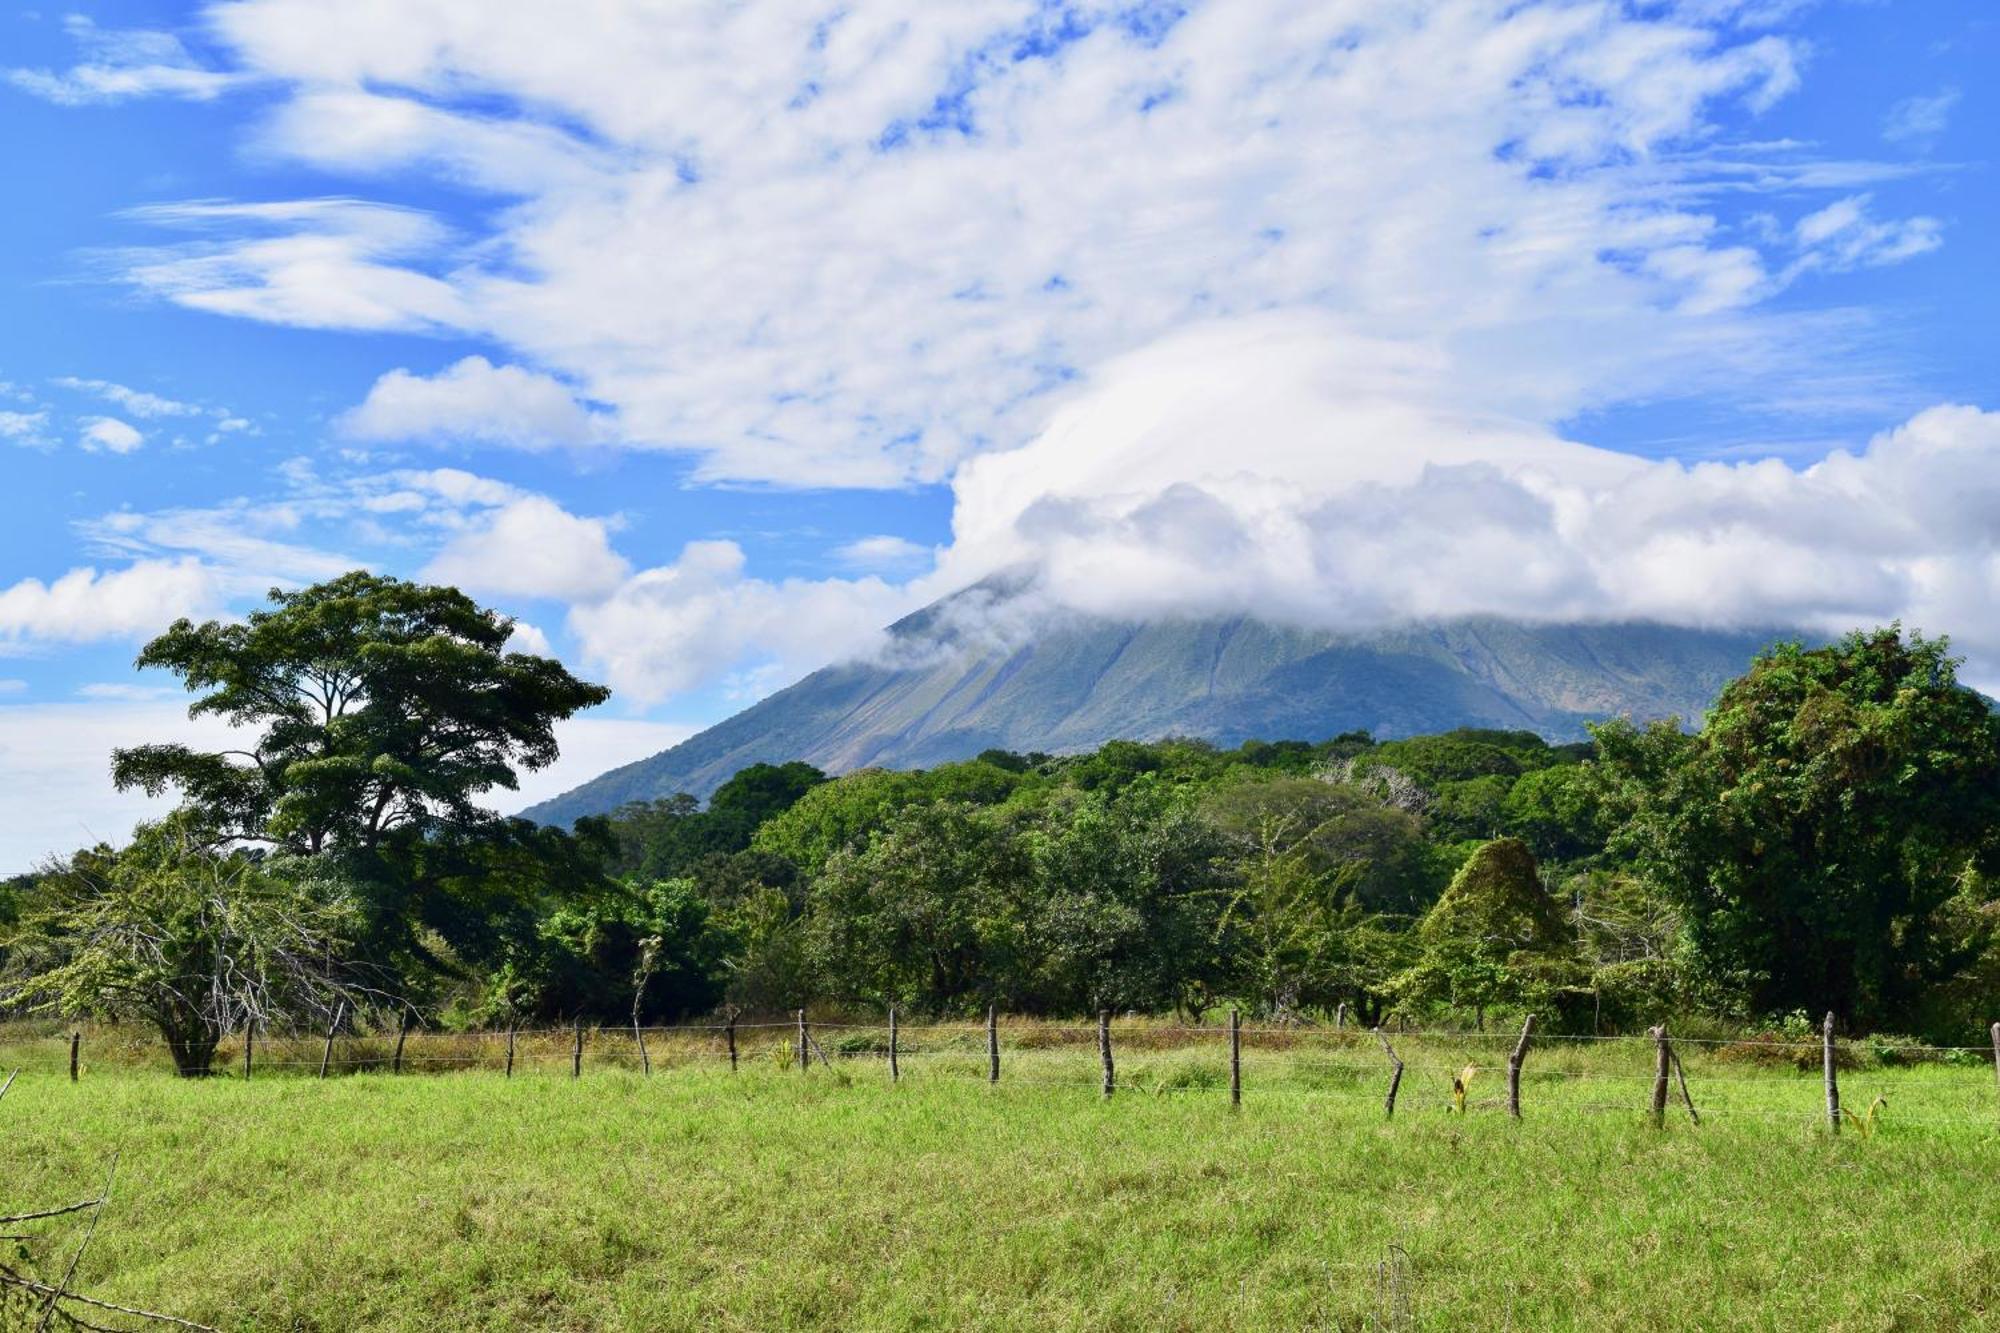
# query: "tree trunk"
193 1053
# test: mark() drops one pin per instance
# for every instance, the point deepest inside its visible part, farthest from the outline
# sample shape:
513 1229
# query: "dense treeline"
1829 838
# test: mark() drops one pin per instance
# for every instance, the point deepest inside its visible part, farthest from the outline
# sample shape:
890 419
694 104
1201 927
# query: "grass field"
771 1199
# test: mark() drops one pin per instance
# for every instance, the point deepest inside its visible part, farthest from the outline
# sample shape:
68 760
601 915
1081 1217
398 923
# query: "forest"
1828 838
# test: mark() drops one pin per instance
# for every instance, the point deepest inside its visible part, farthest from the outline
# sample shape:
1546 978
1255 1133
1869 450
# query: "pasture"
768 1198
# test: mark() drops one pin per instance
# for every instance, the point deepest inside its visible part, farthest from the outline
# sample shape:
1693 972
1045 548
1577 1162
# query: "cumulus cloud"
1180 488
702 619
86 605
532 548
473 400
109 435
858 247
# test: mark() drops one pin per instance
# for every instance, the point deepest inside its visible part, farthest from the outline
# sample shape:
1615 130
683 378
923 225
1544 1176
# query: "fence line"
970 1050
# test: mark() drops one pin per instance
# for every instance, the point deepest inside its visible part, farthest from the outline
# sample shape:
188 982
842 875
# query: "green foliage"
1815 830
652 944
383 711
1495 938
841 815
196 942
380 713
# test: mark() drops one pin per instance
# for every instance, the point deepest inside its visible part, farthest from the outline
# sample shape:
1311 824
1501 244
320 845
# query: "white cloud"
124 63
1920 117
1843 236
55 765
473 400
591 746
316 263
885 553
532 548
1273 468
528 639
136 402
128 692
85 605
109 435
11 686
703 619
26 428
857 248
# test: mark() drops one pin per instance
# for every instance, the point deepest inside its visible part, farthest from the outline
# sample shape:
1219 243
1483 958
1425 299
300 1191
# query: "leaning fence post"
326 1054
1104 1051
1514 1068
75 1042
895 1070
730 1033
1395 1075
510 1050
576 1053
992 1045
1680 1075
1996 1053
1662 1063
402 1035
1832 1082
1235 1058
805 1052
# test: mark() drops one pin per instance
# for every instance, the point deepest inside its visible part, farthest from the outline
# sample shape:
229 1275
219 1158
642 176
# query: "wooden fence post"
805 1051
326 1055
510 1050
1832 1082
402 1035
639 1036
576 1053
1514 1068
249 1036
1662 1059
1104 1051
75 1043
1395 1075
1235 1058
895 1070
1340 1016
1996 1053
992 1045
730 1033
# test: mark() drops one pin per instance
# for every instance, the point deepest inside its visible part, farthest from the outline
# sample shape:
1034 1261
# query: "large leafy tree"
1835 800
377 714
381 708
197 941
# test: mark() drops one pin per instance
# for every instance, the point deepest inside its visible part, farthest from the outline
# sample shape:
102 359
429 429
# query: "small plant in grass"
1460 1085
1866 1123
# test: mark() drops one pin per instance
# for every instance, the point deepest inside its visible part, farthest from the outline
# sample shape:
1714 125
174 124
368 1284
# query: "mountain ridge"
944 695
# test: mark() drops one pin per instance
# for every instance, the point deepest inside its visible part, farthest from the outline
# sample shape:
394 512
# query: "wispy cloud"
123 63
1923 117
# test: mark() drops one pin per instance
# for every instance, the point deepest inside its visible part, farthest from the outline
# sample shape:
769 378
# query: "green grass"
773 1200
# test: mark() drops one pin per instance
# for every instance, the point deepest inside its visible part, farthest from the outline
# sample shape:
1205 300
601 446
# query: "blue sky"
708 342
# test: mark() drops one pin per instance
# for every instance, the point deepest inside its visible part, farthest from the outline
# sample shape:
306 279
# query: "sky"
707 339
